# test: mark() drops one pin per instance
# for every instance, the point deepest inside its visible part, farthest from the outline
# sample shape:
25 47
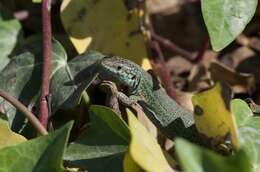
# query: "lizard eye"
133 77
119 67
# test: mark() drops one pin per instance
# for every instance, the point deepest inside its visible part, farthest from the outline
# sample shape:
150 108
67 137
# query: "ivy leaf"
37 155
213 117
22 78
249 131
106 26
130 165
197 159
103 145
144 150
7 136
226 19
10 36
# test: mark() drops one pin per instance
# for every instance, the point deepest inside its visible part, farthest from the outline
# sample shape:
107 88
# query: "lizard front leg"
123 98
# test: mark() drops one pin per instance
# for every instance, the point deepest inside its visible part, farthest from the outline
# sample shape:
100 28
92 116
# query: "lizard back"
143 88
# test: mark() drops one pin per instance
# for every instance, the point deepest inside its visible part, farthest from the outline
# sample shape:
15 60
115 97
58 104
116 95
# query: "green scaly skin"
145 90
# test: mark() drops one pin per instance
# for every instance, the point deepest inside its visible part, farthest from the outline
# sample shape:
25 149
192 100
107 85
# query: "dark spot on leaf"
127 44
95 2
128 16
226 93
198 110
135 32
82 13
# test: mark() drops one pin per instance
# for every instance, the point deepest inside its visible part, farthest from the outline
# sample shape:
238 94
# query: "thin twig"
202 51
162 70
46 22
158 59
29 115
171 46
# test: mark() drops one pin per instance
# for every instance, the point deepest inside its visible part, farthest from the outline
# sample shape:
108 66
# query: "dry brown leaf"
234 58
251 65
165 6
240 82
198 78
179 65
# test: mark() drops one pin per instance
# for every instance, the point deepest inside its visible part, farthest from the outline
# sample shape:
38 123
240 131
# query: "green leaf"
22 79
226 19
197 159
249 131
38 155
103 145
10 30
241 111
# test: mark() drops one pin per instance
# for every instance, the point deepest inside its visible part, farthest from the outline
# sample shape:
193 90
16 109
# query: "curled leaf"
213 117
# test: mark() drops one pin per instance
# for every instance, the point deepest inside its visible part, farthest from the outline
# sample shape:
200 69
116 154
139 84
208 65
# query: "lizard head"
121 71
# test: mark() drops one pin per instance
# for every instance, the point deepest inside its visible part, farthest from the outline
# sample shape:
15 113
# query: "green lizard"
145 90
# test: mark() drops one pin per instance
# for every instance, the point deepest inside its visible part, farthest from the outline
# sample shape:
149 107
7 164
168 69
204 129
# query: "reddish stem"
46 22
170 45
201 53
162 70
29 115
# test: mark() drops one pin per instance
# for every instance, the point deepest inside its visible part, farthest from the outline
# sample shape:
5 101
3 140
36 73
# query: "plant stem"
162 70
29 115
201 52
170 45
46 22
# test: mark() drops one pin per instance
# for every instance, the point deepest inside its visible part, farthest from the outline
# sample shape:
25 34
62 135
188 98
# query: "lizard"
144 89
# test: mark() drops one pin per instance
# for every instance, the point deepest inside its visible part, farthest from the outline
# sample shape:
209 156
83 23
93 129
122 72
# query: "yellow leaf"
8 137
144 149
105 26
130 165
213 117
